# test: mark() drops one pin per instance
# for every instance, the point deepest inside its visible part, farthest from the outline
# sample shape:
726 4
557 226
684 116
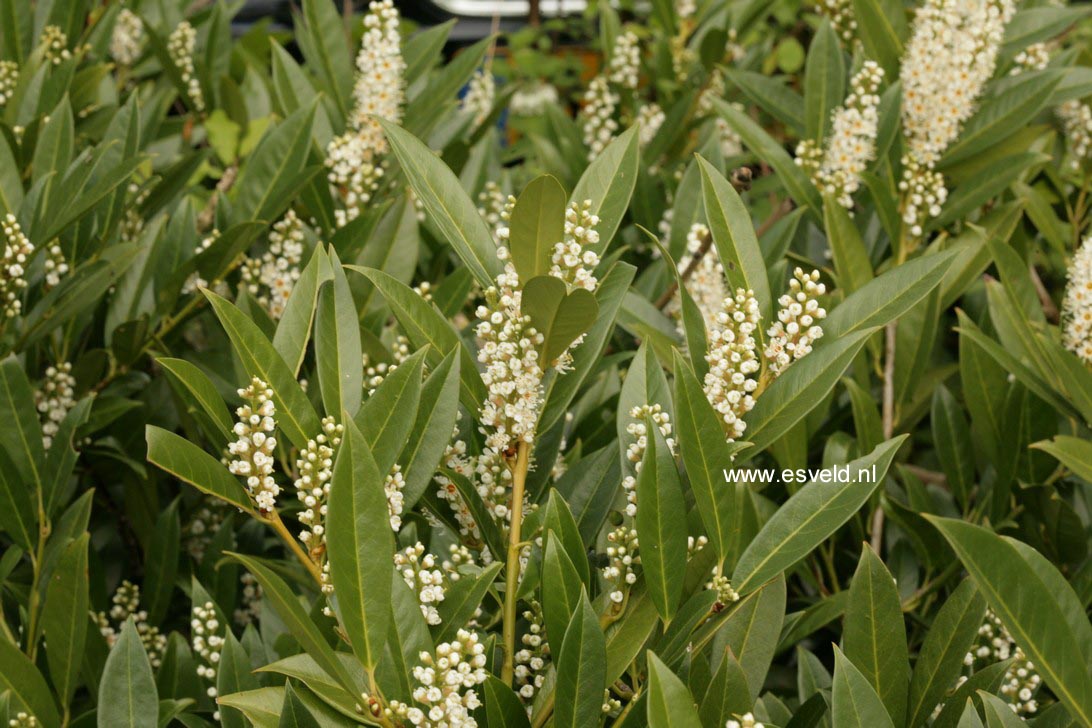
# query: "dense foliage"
715 363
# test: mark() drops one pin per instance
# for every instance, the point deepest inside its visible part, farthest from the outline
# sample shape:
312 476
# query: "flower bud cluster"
253 450
392 487
207 642
445 696
180 47
17 251
733 363
650 117
481 92
622 552
625 62
127 39
836 169
54 399
54 42
1035 57
9 77
270 278
747 720
531 658
456 460
573 260
597 117
250 610
419 570
840 13
374 374
635 452
1077 304
924 192
495 207
195 281
56 267
1077 125
125 604
314 469
355 171
533 100
23 719
706 282
797 325
720 584
1021 681
202 527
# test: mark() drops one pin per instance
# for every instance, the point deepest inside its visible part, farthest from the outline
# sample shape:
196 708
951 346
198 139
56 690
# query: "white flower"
730 382
445 695
253 450
533 100
797 325
495 207
126 603
635 452
837 168
56 267
270 278
572 260
55 398
127 40
1021 680
55 44
9 77
1035 57
13 266
625 62
747 720
480 95
1077 304
686 8
597 116
706 284
1077 125
650 118
392 487
532 658
208 642
841 17
180 47
429 585
23 719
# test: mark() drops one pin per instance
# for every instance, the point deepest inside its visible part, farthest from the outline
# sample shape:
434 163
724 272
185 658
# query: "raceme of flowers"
54 42
1076 120
180 47
837 167
597 116
208 643
253 450
533 100
706 283
1077 304
1020 684
531 659
429 583
270 278
949 58
17 252
481 92
445 696
126 603
797 325
127 40
54 399
625 62
650 118
841 17
9 77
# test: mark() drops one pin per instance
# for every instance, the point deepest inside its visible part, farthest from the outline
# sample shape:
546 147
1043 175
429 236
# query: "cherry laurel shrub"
349 381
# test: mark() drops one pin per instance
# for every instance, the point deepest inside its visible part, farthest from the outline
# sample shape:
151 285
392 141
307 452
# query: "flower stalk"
512 567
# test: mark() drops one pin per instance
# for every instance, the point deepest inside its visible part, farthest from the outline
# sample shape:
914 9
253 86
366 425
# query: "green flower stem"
511 574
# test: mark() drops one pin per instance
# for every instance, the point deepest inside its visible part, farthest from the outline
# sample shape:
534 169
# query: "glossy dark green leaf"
294 714
728 693
127 695
462 599
661 524
189 463
581 670
669 704
389 413
952 439
430 434
562 588
824 81
161 563
854 702
337 345
275 168
202 392
64 617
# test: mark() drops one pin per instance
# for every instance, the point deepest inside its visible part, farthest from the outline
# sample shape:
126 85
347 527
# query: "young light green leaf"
294 329
559 316
810 516
361 547
536 226
128 696
608 182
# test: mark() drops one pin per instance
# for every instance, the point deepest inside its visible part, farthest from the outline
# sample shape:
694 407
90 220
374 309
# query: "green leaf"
294 329
503 708
127 695
881 26
260 706
707 457
161 563
562 591
772 95
1073 452
21 435
737 246
851 263
462 599
536 226
425 327
809 517
327 51
728 693
1036 605
751 632
386 418
446 204
608 182
952 440
11 185
940 659
275 169
581 670
286 604
18 509
824 81
361 547
189 463
189 379
431 431
64 617
337 346
296 418
874 637
661 524
559 316
669 704
232 676
294 714
999 714
854 703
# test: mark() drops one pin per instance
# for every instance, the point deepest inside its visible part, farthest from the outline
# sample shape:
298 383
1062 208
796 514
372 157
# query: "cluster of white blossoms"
456 460
125 604
354 158
625 62
495 207
1077 304
23 719
9 77
270 278
55 265
127 39
533 100
250 608
180 47
747 720
314 469
650 117
721 584
572 259
951 55
54 42
1076 120
635 452
17 251
1035 57
207 645
531 659
837 166
797 325
445 696
730 143
597 116
253 450
481 92
195 281
419 570
733 362
622 544
375 373
842 18
202 526
706 282
1021 681
54 399
392 488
